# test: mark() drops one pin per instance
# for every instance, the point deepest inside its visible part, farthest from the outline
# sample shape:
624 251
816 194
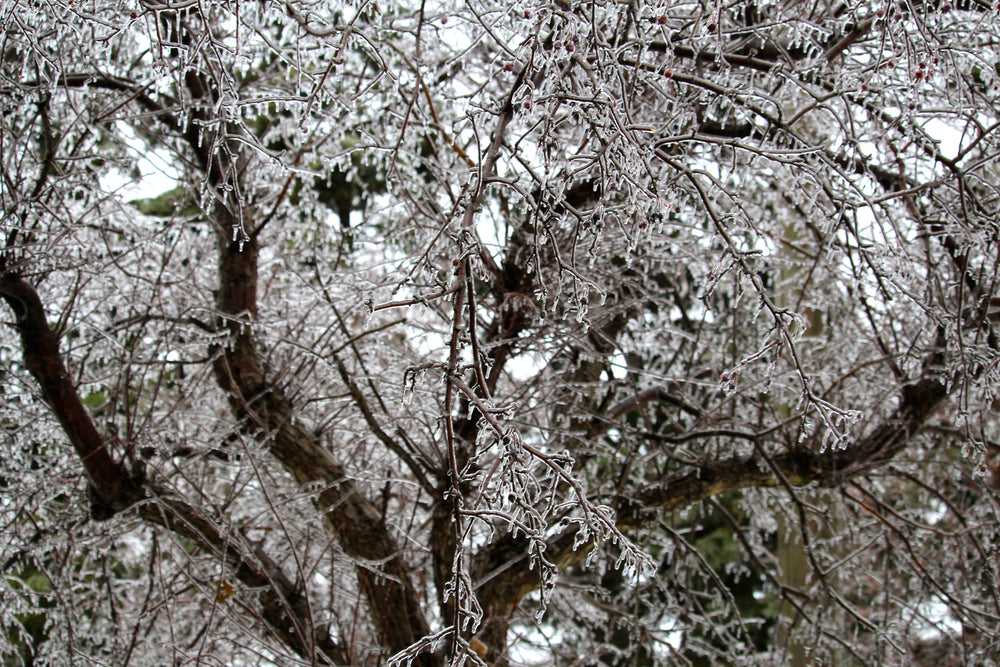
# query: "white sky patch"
153 174
949 139
619 366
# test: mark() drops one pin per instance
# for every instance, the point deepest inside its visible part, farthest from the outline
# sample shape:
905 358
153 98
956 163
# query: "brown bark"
112 489
359 526
265 410
284 606
510 581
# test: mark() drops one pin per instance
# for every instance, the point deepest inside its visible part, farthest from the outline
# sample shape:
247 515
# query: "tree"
478 333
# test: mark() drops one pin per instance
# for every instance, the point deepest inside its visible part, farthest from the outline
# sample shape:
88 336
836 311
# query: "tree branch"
502 587
354 519
284 605
112 488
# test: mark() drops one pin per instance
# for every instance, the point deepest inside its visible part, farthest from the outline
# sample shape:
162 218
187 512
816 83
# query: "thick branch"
504 580
798 467
359 526
284 607
353 518
113 490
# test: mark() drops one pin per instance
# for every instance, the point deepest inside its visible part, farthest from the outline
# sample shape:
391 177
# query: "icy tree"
499 333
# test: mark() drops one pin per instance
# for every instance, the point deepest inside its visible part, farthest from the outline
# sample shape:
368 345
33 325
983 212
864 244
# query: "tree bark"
502 593
360 528
284 606
112 489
